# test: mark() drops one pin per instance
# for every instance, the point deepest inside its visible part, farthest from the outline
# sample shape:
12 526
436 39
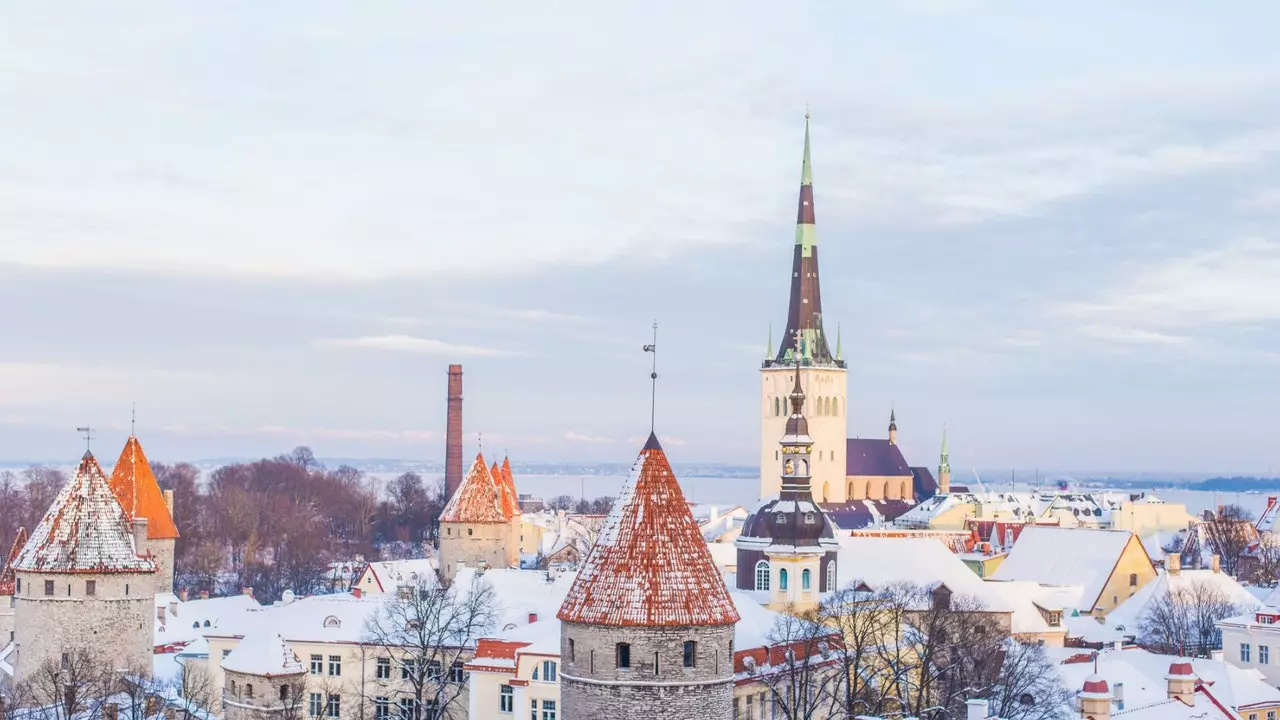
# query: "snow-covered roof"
139 494
390 574
650 565
883 561
1027 598
1130 612
478 499
265 654
8 578
1066 556
85 530
185 622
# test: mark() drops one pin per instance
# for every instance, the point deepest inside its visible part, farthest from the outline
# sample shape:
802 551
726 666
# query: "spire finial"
839 344
653 378
133 419
806 174
88 437
480 442
768 349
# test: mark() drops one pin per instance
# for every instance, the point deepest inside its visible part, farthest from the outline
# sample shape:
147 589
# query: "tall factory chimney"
453 434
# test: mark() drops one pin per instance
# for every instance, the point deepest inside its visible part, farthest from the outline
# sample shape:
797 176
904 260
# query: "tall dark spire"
804 341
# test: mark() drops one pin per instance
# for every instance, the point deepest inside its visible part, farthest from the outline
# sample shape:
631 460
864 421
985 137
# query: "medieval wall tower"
476 526
822 373
647 627
81 585
135 487
263 679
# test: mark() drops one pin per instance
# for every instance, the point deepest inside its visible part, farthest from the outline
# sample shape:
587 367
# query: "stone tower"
944 467
263 679
81 584
475 527
788 547
822 374
453 434
647 627
8 586
135 486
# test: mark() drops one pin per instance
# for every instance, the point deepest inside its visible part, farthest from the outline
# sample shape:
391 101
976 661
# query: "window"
126 588
468 531
570 649
624 656
316 705
808 518
781 519
334 707
549 670
90 587
457 673
831 576
433 670
548 710
317 666
408 669
1271 715
1133 579
506 699
48 587
762 575
1245 653
533 710
1264 655
384 669
381 708
335 665
332 622
408 709
782 579
248 690
804 579
225 653
690 653
284 693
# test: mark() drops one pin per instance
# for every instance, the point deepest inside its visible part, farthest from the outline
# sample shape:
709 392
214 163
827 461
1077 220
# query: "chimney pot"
1215 563
204 594
356 593
533 617
168 501
182 594
1173 563
246 591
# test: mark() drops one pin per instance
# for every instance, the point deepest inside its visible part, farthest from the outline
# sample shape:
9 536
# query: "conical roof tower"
135 486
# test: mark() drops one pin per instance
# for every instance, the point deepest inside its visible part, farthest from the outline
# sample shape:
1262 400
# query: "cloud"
325 433
576 437
413 344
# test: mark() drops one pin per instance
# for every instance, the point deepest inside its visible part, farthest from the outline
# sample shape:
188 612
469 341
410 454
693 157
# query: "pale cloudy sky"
1051 226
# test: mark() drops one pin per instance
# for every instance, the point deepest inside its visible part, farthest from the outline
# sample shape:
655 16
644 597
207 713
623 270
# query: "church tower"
944 467
647 626
788 546
823 375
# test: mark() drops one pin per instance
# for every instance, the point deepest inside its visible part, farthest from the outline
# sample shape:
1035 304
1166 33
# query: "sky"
1050 227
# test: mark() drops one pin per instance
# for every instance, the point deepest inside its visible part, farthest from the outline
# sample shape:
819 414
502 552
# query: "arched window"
867 495
804 467
284 692
852 494
233 688
886 490
831 576
835 406
762 575
782 579
825 489
206 623
777 407
248 690
1133 579
805 579
332 622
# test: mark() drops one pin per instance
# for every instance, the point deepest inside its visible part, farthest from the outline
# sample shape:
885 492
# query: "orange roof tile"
478 500
8 578
650 566
510 501
135 486
85 530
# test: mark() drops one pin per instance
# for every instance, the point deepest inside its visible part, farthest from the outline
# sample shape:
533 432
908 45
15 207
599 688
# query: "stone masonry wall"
592 686
116 622
472 543
162 552
265 702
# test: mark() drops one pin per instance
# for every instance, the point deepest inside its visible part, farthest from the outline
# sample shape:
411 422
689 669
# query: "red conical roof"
8 578
510 500
135 486
478 500
85 530
650 567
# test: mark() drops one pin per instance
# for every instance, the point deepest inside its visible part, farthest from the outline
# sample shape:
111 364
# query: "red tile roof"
85 530
478 500
135 486
510 500
8 579
650 566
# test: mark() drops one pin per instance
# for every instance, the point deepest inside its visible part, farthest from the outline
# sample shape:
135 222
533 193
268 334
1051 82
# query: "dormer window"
1266 619
332 622
808 518
782 519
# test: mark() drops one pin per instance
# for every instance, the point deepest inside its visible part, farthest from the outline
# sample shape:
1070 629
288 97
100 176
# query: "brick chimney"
1173 563
183 594
139 534
168 501
453 434
1215 563
246 591
1095 699
1182 681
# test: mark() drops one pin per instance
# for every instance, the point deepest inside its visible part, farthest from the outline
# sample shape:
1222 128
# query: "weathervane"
88 436
653 378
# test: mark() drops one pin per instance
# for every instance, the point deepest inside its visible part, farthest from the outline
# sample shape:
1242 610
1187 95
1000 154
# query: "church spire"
944 466
804 340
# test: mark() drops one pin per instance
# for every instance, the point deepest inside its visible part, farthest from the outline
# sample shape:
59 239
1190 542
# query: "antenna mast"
653 378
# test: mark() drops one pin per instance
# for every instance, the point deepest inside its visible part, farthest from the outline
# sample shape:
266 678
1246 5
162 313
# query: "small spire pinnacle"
768 349
88 437
653 378
133 419
839 348
806 173
480 442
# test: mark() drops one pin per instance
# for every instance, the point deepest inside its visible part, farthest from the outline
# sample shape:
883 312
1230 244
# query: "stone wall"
116 622
162 552
592 686
253 697
6 618
472 544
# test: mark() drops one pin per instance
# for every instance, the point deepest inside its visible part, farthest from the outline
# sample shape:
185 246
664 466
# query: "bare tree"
1184 620
1230 531
562 502
137 689
423 634
799 668
195 686
72 687
1028 686
861 617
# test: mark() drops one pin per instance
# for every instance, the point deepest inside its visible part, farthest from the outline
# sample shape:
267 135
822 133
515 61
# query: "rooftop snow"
1066 556
478 500
265 654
